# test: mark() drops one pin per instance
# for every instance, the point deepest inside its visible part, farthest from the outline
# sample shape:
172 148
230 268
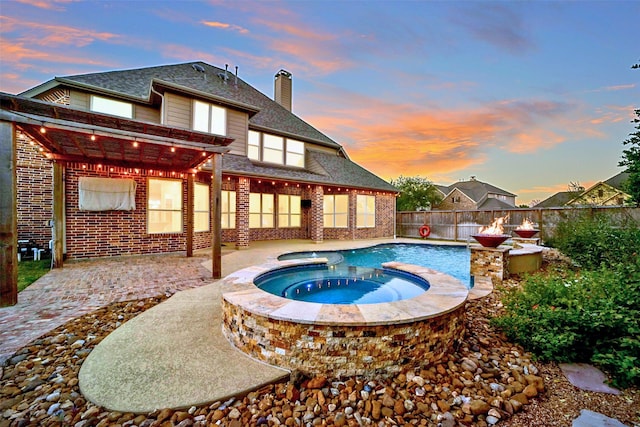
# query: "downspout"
161 104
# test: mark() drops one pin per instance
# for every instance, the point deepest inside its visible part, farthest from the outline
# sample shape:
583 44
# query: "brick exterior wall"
113 233
457 200
35 192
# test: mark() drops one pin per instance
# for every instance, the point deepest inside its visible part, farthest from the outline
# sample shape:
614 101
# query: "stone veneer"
490 262
344 340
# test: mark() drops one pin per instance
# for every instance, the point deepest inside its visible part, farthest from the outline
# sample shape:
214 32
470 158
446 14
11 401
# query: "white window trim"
289 214
334 213
207 211
366 214
285 150
149 209
231 213
114 106
210 123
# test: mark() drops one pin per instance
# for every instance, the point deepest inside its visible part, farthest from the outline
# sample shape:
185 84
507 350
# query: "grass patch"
30 271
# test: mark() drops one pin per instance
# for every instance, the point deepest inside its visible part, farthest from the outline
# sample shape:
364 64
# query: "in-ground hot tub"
339 340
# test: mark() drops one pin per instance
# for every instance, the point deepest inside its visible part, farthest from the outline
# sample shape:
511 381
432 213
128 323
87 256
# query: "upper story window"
209 118
264 147
111 106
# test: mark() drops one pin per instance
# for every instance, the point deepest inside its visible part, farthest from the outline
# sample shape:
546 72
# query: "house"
181 157
474 195
604 193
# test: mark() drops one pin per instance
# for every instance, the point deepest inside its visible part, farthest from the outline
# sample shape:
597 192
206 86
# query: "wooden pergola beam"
8 216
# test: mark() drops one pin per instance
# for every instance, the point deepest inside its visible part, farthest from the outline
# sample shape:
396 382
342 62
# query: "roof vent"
199 68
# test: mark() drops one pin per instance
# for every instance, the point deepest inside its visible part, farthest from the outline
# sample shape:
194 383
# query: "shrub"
590 316
597 240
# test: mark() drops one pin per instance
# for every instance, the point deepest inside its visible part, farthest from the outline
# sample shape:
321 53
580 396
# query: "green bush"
596 240
589 316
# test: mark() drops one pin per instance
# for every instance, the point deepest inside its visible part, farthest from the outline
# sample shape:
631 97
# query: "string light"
43 129
173 149
93 135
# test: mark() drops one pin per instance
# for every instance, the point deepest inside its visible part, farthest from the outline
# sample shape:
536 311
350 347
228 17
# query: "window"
365 211
253 148
295 153
228 209
600 192
336 211
164 207
261 210
288 211
111 106
201 207
264 147
273 149
209 118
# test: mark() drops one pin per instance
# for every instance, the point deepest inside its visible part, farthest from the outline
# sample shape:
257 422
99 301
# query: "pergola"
67 134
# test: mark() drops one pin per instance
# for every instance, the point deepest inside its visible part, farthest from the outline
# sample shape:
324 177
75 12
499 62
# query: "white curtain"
104 194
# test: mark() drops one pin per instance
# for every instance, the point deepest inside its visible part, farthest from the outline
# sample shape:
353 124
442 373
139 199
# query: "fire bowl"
490 240
525 234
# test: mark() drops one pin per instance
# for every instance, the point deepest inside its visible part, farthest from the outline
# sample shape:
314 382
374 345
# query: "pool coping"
445 294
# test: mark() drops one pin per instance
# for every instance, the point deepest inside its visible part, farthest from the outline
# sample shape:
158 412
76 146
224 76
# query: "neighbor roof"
196 78
559 199
618 180
476 190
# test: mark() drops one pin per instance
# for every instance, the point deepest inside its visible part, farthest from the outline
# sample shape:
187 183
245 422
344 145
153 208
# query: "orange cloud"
53 35
225 26
48 4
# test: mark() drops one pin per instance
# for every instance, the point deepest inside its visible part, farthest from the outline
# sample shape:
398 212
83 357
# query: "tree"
631 159
416 193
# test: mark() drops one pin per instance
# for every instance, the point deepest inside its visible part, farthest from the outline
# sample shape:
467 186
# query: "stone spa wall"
347 340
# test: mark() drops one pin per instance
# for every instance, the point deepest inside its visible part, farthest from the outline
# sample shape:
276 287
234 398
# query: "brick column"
316 232
242 212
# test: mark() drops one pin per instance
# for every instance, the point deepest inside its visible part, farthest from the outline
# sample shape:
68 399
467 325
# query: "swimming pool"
452 260
354 276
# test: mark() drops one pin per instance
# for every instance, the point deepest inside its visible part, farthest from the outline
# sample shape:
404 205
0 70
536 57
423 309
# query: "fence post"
455 225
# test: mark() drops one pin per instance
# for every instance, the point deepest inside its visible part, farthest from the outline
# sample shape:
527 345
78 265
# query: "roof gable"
478 190
200 78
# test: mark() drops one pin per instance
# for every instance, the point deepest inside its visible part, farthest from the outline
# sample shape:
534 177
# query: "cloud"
39 34
55 5
225 26
494 23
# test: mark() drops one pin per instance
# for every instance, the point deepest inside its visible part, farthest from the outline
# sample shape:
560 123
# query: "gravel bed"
487 381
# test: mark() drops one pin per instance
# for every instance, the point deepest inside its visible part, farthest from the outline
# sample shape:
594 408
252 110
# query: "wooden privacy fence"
460 225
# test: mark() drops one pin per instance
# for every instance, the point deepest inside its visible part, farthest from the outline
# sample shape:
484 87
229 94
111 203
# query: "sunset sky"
527 96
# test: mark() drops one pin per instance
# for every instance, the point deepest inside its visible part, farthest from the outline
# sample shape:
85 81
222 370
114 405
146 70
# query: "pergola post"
216 215
190 211
8 216
57 233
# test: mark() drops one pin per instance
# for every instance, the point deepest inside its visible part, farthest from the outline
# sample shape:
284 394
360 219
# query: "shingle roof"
493 203
336 171
136 85
559 199
476 190
618 180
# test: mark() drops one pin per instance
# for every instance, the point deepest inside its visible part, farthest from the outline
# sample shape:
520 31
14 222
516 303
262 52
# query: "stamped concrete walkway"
180 337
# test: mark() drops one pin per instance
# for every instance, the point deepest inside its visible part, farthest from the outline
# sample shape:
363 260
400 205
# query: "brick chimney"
282 89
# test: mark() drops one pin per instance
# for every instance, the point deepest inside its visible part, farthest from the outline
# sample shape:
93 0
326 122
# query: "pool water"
355 276
341 284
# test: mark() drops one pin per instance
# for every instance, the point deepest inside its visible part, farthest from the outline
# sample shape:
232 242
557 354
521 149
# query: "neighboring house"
183 153
474 194
604 193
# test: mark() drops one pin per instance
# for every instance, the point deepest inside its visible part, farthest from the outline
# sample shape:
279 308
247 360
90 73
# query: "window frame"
294 202
197 211
334 214
212 126
113 106
260 146
230 213
179 209
261 213
365 215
